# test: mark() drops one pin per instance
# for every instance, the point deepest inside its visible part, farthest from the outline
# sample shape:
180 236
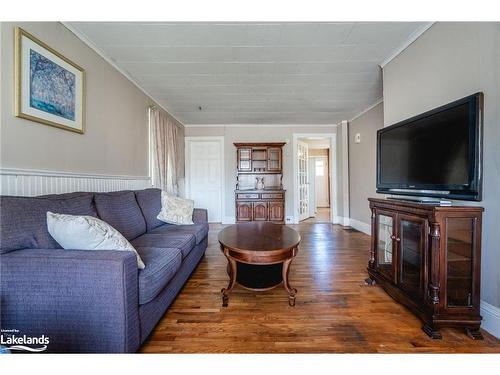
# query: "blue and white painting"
52 88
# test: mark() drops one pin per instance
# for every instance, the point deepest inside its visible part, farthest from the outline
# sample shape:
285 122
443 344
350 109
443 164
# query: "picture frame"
49 88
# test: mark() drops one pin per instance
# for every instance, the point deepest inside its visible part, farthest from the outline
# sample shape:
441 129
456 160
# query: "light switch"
357 138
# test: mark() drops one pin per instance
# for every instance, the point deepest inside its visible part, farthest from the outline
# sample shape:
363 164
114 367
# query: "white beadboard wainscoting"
25 182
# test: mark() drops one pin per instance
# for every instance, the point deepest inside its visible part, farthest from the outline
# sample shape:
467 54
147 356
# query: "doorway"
315 181
319 178
205 173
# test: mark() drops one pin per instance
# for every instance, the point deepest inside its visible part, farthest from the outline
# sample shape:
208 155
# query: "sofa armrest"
200 215
83 301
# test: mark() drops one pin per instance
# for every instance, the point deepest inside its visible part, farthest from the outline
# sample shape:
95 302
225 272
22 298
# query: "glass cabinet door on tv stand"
412 236
385 233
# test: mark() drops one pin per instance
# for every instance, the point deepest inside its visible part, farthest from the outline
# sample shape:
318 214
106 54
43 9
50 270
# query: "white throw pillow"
175 210
87 233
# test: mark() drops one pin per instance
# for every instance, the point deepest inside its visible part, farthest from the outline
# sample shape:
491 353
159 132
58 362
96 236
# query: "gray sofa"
93 301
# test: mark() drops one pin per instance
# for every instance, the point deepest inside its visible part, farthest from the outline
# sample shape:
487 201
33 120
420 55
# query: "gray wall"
260 133
363 162
116 127
448 62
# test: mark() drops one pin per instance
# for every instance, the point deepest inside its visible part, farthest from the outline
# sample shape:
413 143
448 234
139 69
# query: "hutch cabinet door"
385 236
245 159
244 211
276 211
274 159
260 211
412 240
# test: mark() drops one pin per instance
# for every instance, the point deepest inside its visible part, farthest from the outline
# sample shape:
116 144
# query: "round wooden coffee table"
259 255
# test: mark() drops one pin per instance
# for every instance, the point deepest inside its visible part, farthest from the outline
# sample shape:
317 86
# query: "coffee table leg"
232 281
291 291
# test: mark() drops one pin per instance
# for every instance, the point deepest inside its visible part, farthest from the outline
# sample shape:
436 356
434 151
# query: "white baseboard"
361 226
491 319
228 220
28 182
344 221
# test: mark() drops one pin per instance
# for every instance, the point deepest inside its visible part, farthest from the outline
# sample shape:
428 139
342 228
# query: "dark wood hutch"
259 203
428 257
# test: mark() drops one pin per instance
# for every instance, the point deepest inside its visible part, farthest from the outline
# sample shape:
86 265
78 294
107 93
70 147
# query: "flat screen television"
435 154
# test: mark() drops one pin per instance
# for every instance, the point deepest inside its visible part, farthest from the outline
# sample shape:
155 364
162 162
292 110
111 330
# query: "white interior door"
303 179
204 175
321 181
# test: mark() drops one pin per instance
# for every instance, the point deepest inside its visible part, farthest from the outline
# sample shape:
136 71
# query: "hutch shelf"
428 258
259 193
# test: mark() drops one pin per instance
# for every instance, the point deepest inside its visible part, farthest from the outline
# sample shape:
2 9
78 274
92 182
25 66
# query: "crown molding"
259 125
111 62
367 109
414 36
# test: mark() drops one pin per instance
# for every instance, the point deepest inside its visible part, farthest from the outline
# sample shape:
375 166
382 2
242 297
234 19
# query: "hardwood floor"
334 313
322 216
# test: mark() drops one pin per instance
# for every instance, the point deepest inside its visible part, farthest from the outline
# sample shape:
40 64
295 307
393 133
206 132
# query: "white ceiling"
253 73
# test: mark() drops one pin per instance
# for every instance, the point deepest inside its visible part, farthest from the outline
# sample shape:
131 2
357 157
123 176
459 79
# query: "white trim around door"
187 151
333 174
345 174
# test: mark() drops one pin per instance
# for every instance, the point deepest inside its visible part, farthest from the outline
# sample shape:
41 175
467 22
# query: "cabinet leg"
432 332
370 281
474 333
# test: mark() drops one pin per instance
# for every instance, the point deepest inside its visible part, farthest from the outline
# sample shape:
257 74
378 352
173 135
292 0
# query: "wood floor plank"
335 311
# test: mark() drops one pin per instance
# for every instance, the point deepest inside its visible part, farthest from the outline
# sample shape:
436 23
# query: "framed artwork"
49 87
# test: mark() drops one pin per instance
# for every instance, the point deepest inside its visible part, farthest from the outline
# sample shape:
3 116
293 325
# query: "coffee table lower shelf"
258 278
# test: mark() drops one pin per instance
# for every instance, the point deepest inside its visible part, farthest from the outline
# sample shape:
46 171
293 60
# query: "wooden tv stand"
428 258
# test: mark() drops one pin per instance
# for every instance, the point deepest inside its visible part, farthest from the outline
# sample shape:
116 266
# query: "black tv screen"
436 153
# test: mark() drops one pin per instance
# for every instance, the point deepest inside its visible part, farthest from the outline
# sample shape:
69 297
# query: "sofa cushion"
70 195
176 210
121 211
161 266
184 242
150 203
80 232
24 219
200 230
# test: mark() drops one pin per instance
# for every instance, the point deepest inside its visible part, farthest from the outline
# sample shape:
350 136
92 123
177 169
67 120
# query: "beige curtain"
167 136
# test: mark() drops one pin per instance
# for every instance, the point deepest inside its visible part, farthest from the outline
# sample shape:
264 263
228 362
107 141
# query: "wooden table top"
262 237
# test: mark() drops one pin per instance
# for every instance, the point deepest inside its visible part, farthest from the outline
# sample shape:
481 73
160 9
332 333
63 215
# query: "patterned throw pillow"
75 232
175 210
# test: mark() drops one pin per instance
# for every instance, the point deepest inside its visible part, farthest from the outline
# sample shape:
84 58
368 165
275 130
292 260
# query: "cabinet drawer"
248 196
272 196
